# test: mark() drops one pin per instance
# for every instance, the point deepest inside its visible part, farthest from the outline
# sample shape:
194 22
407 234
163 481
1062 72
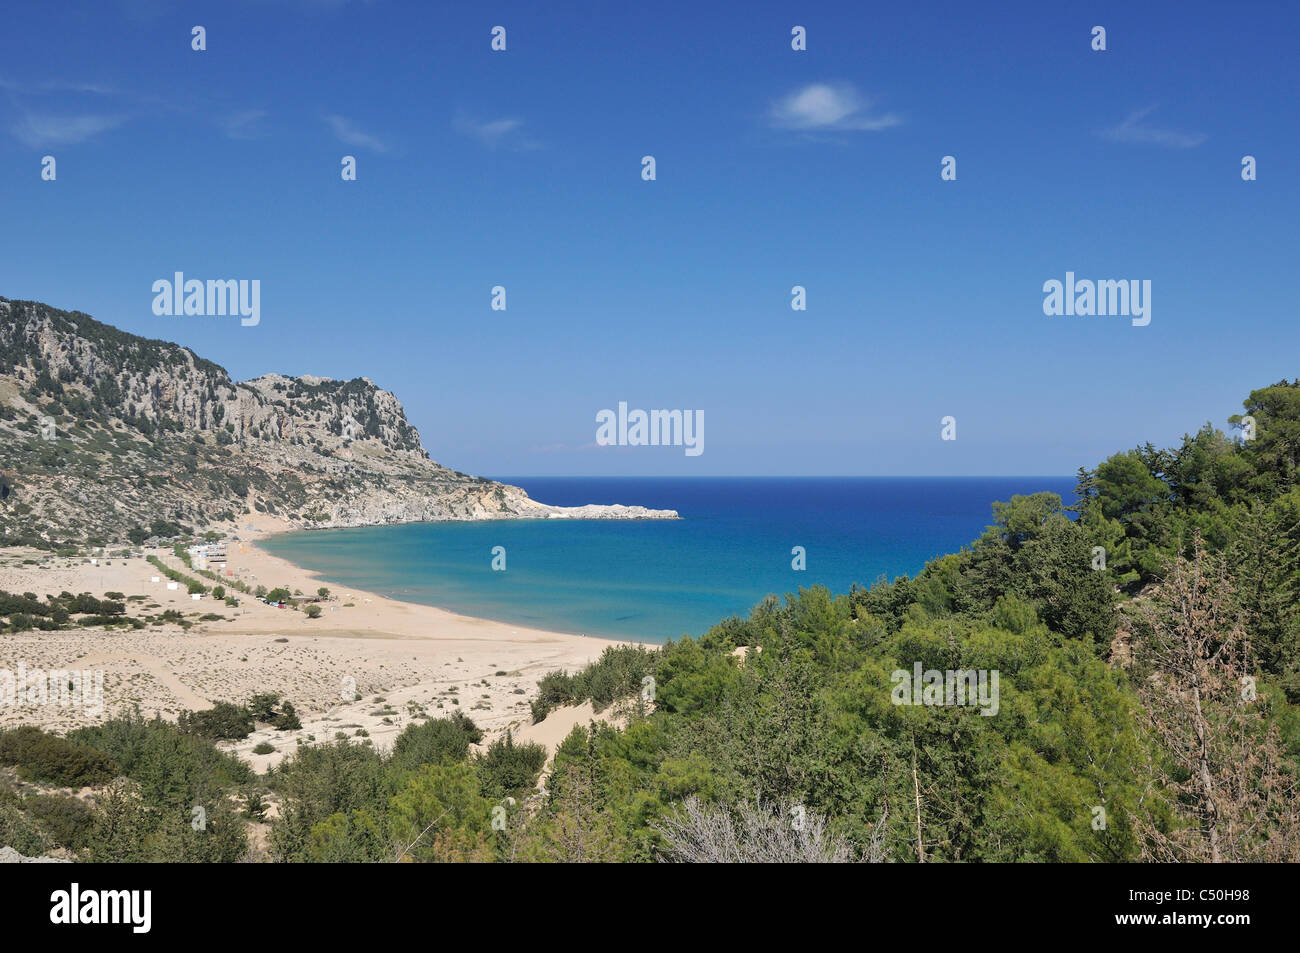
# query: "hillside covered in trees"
1146 711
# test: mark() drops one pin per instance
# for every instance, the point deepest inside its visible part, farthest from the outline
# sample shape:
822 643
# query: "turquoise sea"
658 579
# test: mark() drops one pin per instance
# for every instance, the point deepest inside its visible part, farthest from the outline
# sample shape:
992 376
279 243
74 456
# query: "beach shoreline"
365 669
292 569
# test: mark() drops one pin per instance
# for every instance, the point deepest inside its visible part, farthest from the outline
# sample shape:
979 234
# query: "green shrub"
508 769
222 722
287 719
18 829
45 757
263 709
437 740
172 767
67 820
553 690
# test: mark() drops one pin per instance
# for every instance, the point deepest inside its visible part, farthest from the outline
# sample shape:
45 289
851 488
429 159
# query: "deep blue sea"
658 579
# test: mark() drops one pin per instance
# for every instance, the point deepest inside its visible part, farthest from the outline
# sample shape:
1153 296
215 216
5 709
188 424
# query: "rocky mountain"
106 436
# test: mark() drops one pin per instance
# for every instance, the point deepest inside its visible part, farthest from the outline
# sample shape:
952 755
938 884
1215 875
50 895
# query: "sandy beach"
365 668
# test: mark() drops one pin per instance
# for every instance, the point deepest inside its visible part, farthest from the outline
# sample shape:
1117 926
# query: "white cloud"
495 132
1133 129
349 134
40 131
242 125
826 107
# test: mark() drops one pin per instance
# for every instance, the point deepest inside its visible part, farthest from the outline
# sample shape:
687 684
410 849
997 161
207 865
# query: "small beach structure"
202 554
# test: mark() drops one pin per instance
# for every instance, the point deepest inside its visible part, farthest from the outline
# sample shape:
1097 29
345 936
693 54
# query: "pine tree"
1223 764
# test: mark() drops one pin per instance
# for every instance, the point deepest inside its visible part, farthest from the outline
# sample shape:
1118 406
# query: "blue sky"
775 168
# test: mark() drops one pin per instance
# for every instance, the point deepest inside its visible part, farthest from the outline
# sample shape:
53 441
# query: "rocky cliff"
106 436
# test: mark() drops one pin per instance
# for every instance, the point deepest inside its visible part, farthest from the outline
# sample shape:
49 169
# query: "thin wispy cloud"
1136 129
56 86
350 134
829 107
42 131
495 133
243 125
55 112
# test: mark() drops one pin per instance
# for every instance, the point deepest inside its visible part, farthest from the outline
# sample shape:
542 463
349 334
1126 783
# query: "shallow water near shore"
653 580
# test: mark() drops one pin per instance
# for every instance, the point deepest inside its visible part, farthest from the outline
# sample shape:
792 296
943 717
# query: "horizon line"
784 476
